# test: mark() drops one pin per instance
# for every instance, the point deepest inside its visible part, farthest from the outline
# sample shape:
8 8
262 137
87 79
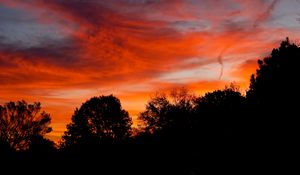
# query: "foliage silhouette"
273 93
181 127
42 148
168 116
98 120
20 123
217 114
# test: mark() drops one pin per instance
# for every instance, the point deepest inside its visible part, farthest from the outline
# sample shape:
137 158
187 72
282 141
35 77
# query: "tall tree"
20 123
276 76
274 91
98 119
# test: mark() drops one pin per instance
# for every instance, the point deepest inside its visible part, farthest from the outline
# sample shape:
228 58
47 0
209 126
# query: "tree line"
176 126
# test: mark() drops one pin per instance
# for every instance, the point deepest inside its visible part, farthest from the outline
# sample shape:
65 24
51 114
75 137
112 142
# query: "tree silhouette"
155 117
42 148
219 113
275 74
274 91
163 111
20 123
98 120
168 116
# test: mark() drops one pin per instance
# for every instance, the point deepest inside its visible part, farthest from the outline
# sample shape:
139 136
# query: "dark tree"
218 114
156 116
42 148
276 76
164 111
273 94
20 123
169 116
97 120
5 151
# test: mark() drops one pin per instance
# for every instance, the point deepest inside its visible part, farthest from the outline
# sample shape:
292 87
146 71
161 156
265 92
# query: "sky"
62 52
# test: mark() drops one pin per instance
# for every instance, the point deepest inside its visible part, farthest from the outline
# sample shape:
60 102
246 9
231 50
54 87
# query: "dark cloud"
60 53
8 16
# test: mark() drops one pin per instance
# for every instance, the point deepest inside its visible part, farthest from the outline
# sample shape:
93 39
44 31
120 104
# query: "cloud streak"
265 14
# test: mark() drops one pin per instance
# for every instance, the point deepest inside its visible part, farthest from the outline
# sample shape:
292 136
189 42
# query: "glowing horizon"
61 53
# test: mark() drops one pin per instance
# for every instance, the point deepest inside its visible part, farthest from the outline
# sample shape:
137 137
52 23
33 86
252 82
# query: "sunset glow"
63 52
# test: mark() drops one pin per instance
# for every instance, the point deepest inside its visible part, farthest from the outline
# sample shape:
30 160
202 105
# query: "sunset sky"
62 52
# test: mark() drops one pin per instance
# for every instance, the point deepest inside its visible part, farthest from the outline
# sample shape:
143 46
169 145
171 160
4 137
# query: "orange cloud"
244 71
